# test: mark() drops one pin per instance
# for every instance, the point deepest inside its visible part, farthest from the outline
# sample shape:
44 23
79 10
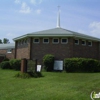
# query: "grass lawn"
53 86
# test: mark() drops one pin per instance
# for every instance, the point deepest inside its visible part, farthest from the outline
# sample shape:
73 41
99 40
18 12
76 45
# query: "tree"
6 41
0 41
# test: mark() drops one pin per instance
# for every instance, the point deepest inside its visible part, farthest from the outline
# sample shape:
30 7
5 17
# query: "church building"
62 43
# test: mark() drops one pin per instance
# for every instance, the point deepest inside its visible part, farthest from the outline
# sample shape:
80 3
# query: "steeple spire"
58 18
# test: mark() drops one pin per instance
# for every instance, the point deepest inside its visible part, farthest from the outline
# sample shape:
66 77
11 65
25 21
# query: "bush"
29 75
81 65
5 65
5 59
37 74
48 61
15 64
23 75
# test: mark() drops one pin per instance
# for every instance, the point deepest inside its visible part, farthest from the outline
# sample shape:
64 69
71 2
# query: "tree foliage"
6 41
0 41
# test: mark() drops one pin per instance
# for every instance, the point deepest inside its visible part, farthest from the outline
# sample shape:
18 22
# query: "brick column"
23 65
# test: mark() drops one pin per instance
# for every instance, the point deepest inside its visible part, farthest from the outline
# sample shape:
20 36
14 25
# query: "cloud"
36 2
38 11
95 28
17 1
25 8
33 2
10 34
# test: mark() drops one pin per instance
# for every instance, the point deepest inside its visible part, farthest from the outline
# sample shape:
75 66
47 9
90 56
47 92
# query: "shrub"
29 75
48 61
5 65
81 65
37 74
15 64
23 75
5 59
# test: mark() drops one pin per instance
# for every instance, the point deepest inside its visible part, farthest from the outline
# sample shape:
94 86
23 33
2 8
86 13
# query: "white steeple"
58 18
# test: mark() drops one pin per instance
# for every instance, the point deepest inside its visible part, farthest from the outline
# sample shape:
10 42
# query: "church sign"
58 65
31 65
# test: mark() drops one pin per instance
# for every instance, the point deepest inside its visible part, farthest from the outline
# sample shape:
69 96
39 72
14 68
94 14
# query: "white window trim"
45 42
36 42
76 43
64 42
85 42
91 43
54 42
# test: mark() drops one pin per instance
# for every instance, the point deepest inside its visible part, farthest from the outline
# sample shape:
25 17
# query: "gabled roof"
7 46
57 32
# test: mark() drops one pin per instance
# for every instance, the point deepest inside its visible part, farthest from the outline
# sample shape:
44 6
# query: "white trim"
45 42
91 43
64 42
36 42
55 42
84 41
76 43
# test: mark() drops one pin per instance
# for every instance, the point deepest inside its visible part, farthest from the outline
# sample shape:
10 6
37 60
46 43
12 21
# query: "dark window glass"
89 43
76 42
46 40
64 40
36 40
55 40
83 42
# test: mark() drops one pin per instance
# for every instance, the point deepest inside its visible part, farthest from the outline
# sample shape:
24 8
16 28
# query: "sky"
19 17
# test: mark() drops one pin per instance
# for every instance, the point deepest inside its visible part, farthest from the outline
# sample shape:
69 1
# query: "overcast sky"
19 17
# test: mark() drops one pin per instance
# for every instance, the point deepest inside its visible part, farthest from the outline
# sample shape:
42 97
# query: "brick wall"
86 51
22 52
8 55
60 51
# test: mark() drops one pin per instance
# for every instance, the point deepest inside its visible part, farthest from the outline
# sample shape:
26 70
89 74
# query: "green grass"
53 86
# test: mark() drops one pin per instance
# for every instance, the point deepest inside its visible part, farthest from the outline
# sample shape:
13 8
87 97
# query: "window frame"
90 42
84 41
64 42
36 42
46 42
9 50
55 42
76 43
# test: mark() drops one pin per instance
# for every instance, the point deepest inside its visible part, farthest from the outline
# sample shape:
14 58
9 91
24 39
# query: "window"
64 40
89 43
83 42
46 40
56 41
18 43
22 42
9 51
25 41
36 40
76 41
